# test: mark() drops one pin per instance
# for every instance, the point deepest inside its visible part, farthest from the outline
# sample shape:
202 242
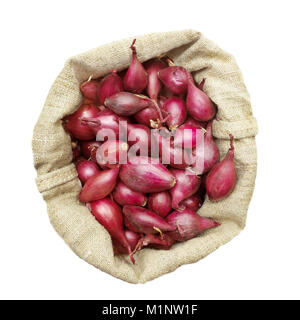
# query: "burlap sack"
57 178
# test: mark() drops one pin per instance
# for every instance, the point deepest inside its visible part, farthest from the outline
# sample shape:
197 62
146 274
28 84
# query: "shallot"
221 180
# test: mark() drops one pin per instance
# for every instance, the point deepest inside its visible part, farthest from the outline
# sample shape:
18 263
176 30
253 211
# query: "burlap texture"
57 178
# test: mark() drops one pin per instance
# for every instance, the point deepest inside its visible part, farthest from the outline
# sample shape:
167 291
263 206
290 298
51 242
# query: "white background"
38 36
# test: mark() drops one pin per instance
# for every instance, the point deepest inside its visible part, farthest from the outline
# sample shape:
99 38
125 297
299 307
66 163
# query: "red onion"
187 184
154 85
136 78
132 238
195 123
193 202
87 101
188 136
139 138
145 220
99 186
74 126
129 225
111 153
189 224
160 203
174 78
104 124
222 178
89 149
86 169
109 85
146 175
176 110
124 195
162 242
198 104
126 103
148 117
89 90
78 160
175 157
207 156
109 214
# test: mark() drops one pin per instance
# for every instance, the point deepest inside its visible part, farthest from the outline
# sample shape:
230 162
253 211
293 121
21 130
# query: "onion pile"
143 147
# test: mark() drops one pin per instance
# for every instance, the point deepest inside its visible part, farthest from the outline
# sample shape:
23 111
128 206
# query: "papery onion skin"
193 203
123 195
208 157
136 77
161 242
160 203
188 224
89 149
188 136
126 103
109 214
222 178
146 221
175 78
187 185
198 104
111 153
141 175
176 111
99 186
86 169
132 238
72 123
154 85
108 86
89 90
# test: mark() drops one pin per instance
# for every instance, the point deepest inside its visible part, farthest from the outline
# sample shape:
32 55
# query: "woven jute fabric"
57 177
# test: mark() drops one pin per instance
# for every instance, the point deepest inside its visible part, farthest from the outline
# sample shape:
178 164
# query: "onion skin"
198 104
86 169
193 203
136 77
108 86
99 186
109 214
148 117
176 110
188 136
139 136
187 185
160 203
89 149
175 78
162 242
72 123
123 195
126 103
111 153
175 157
129 225
152 67
195 123
221 180
89 90
145 175
104 122
146 221
132 238
209 156
189 224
